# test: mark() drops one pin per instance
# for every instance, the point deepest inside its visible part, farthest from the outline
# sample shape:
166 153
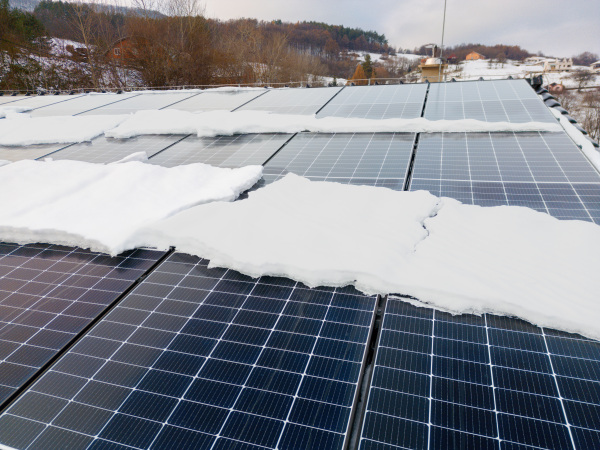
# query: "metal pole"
442 47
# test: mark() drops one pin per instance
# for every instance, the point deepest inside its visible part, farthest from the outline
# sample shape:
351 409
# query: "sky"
555 27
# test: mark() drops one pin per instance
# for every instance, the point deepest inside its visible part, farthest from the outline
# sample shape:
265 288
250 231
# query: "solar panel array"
208 358
223 151
19 153
80 104
205 358
107 150
142 102
492 101
292 101
217 100
443 381
376 159
378 102
543 171
48 294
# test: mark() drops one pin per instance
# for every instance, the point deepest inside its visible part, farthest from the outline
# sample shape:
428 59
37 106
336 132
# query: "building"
534 60
122 50
433 70
474 56
558 65
595 67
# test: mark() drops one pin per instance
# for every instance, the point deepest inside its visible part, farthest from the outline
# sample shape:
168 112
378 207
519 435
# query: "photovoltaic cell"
39 101
444 381
404 101
543 171
80 104
204 358
292 101
155 100
106 150
223 151
217 100
48 294
489 101
19 153
375 159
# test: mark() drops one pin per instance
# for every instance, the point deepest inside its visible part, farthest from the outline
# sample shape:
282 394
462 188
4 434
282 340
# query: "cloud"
553 26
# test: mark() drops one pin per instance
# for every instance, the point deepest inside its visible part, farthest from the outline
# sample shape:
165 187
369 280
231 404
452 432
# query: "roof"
154 349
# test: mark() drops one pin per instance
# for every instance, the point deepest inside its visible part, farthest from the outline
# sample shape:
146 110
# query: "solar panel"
106 150
444 381
292 101
375 159
10 99
155 100
80 104
48 294
489 101
223 151
403 101
19 153
217 100
197 357
39 101
543 171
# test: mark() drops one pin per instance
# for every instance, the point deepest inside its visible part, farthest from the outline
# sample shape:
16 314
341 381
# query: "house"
122 50
595 67
474 56
558 65
534 60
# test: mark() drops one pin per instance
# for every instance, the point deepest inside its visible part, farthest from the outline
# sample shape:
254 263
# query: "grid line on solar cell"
105 150
246 355
377 159
377 102
223 151
457 366
292 101
48 294
543 171
489 101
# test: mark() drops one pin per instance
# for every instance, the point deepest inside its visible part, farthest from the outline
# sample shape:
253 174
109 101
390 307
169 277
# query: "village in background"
55 46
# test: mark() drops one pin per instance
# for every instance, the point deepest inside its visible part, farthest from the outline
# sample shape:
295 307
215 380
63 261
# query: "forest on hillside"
173 47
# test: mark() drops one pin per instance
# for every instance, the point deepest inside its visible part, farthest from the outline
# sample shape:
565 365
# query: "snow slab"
11 111
24 130
218 123
103 206
464 259
579 138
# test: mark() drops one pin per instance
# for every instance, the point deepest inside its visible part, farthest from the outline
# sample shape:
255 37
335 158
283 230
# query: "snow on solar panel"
80 104
28 152
198 357
142 102
216 100
48 294
106 150
443 381
375 159
403 101
292 101
224 151
543 171
489 101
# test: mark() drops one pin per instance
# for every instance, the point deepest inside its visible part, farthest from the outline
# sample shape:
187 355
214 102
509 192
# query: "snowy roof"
407 272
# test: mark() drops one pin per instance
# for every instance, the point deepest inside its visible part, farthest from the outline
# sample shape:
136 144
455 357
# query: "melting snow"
20 129
461 258
217 123
103 206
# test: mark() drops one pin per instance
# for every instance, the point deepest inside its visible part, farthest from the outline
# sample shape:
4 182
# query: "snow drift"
103 206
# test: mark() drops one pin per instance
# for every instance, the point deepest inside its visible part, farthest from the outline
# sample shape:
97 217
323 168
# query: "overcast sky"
556 27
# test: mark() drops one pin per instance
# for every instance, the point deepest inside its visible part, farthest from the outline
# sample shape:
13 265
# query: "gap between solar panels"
42 370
